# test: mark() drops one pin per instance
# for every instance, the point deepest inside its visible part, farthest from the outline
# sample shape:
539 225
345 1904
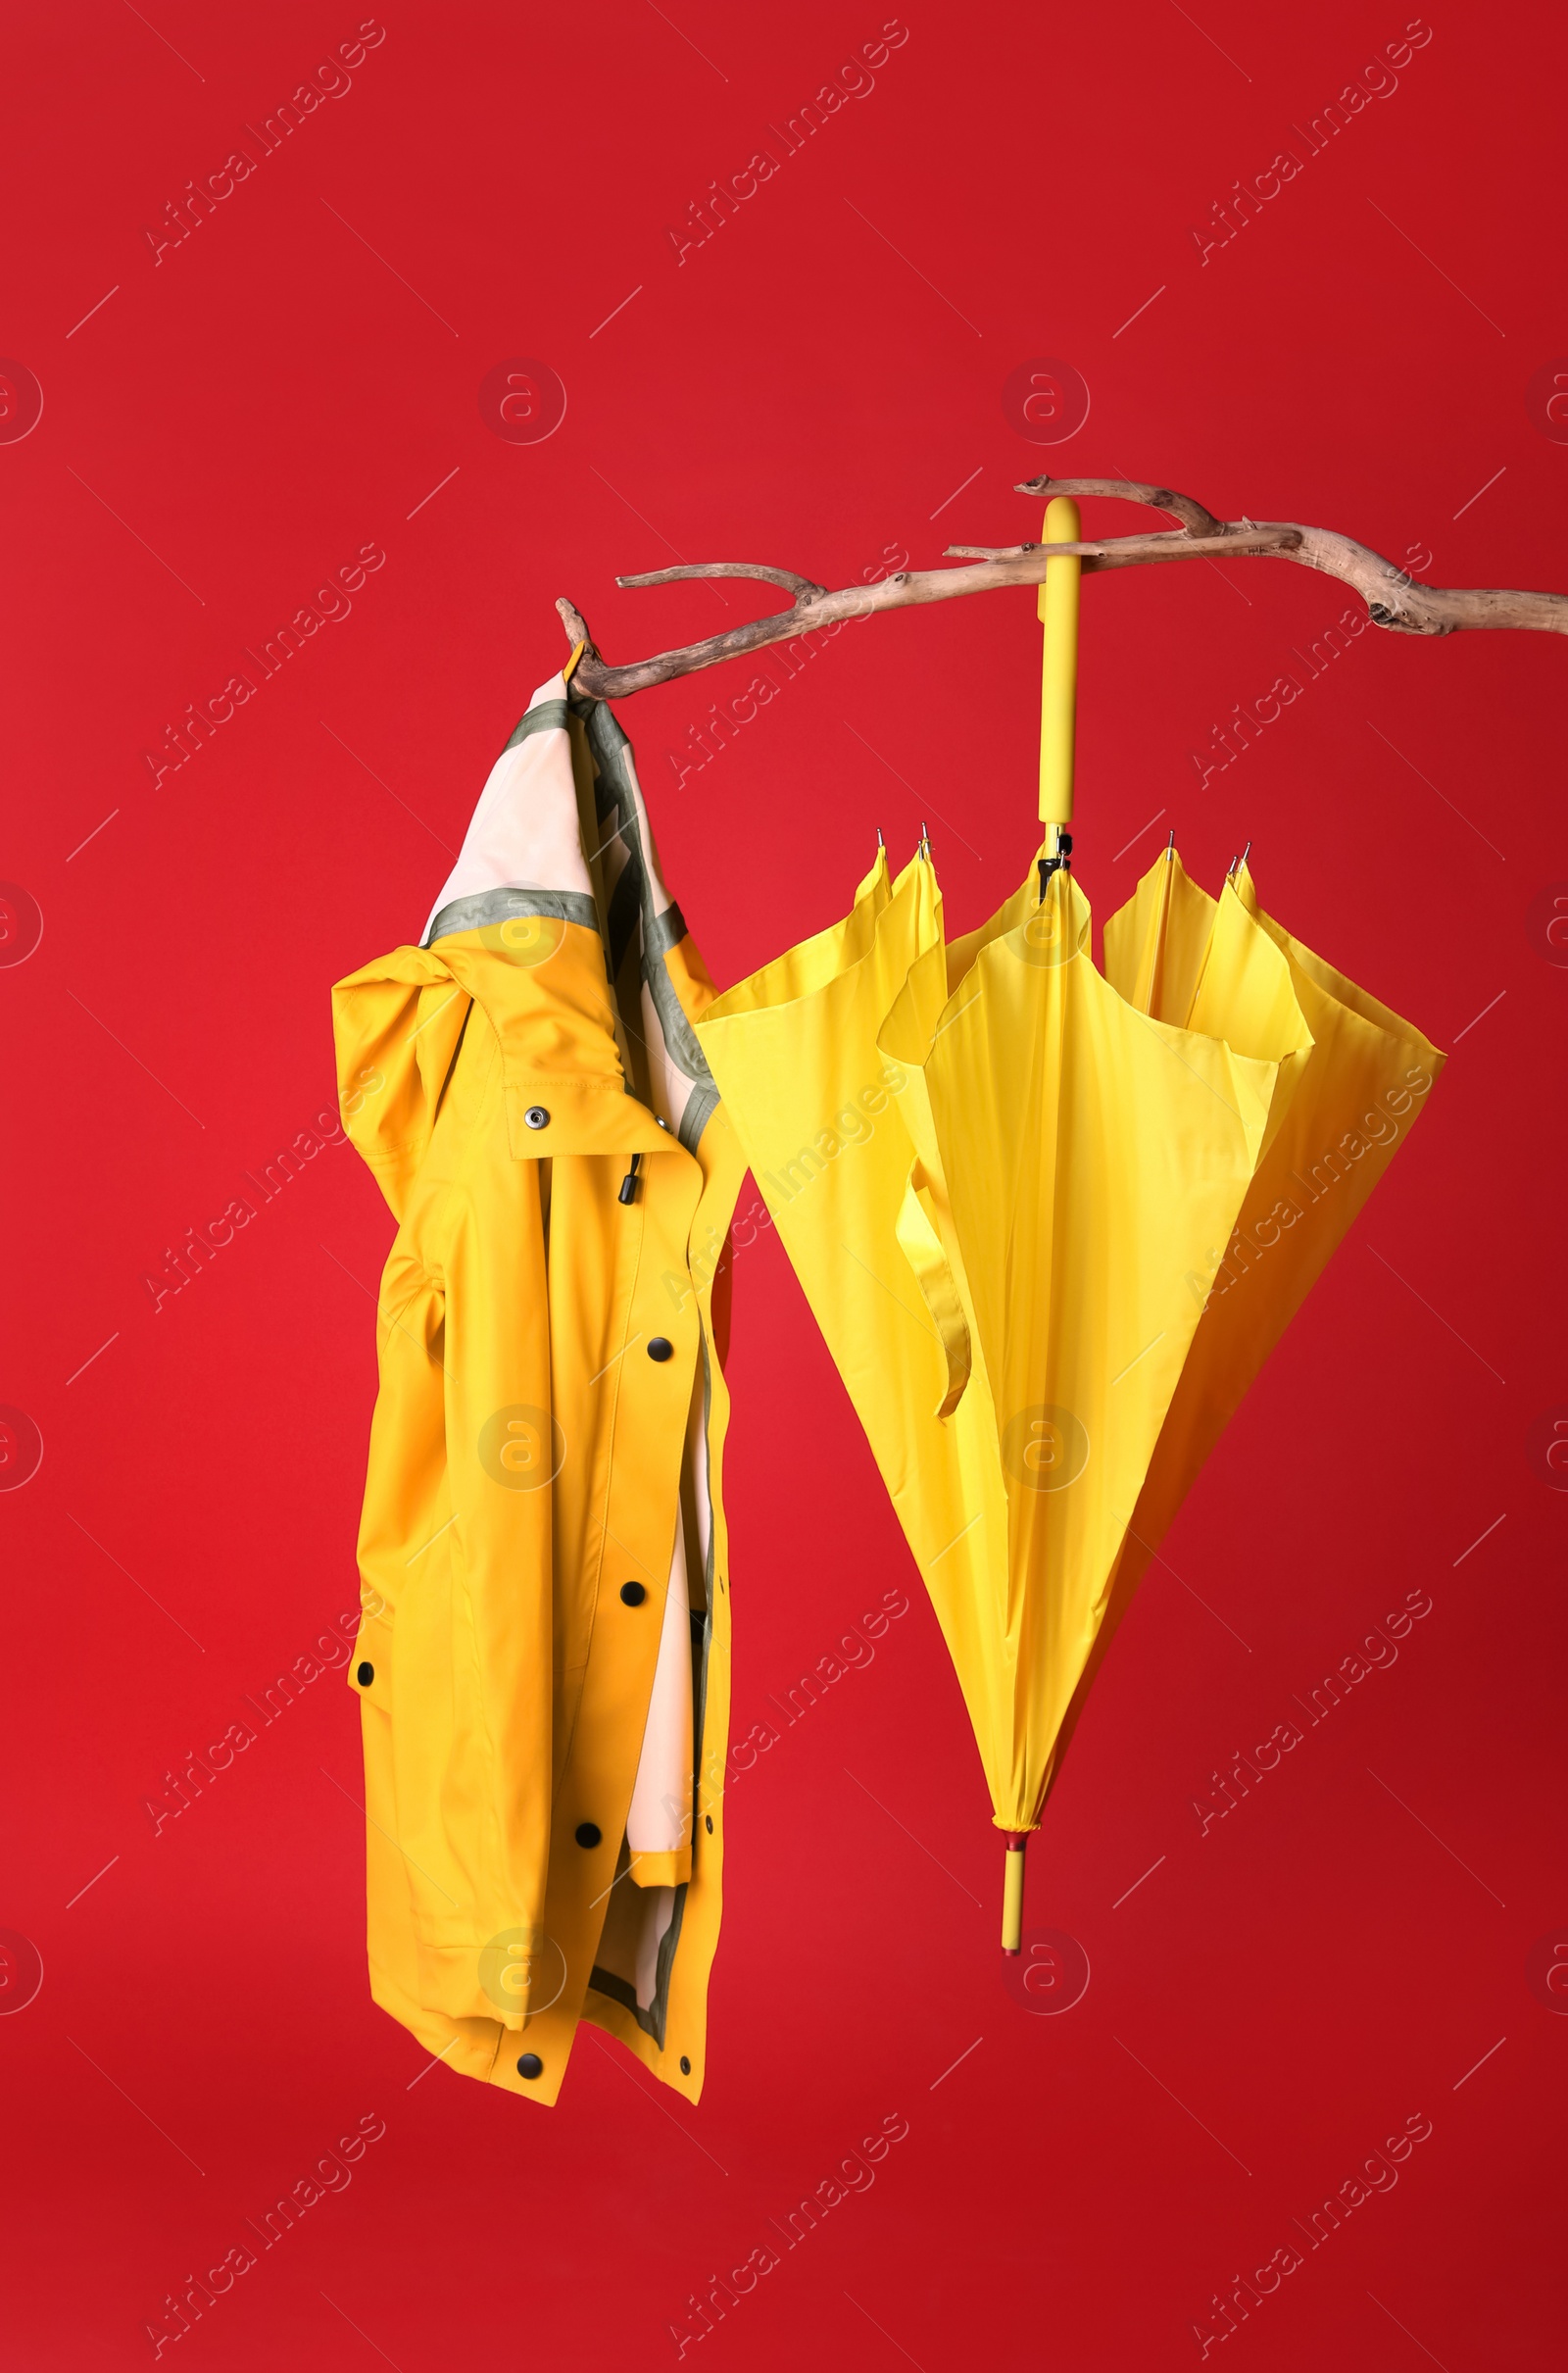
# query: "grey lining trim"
605 1981
679 1036
655 2020
486 907
608 742
700 1106
661 933
666 1961
664 931
549 717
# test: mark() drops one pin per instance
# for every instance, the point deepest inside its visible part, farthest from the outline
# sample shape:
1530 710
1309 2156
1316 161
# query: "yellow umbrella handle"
1058 683
1013 1890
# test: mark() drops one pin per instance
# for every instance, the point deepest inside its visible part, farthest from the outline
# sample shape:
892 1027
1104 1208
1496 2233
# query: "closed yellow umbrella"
1014 1190
994 1177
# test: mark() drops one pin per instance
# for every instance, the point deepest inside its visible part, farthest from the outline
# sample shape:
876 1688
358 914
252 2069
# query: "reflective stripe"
550 717
661 932
484 906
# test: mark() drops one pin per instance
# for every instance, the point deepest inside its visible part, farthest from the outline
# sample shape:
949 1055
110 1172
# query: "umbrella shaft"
1058 689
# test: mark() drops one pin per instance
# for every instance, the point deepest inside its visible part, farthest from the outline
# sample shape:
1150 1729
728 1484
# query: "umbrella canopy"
1015 1190
1362 1087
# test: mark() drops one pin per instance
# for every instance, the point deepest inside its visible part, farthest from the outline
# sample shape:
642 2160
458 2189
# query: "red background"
806 388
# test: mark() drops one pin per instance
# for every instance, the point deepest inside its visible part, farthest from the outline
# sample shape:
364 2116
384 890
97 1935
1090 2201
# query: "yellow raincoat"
544 1656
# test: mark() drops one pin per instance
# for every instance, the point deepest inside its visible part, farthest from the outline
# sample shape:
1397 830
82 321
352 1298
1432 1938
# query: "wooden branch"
802 587
1393 598
1194 517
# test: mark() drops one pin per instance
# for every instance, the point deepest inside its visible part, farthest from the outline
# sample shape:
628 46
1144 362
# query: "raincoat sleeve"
456 1574
397 1024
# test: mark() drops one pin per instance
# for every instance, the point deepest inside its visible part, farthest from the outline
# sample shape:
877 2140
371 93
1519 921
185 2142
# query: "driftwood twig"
1393 597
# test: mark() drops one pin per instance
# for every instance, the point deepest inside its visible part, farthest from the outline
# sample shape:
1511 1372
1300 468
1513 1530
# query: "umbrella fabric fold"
1362 1086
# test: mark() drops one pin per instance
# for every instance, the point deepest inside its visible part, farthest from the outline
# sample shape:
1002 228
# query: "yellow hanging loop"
1058 686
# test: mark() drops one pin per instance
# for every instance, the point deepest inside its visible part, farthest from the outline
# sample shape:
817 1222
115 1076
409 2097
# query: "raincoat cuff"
450 1984
661 1869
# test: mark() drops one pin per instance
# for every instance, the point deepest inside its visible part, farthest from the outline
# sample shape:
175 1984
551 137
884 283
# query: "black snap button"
365 1675
709 1818
589 1833
633 1594
661 1347
685 2065
537 1118
530 2064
